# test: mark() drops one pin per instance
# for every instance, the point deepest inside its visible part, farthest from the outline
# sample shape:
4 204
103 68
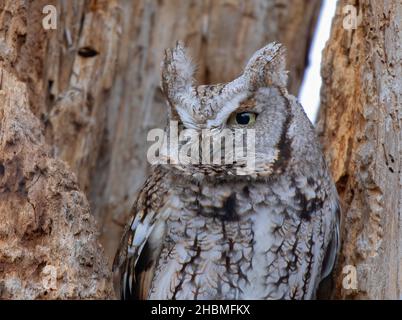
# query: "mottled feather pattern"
203 232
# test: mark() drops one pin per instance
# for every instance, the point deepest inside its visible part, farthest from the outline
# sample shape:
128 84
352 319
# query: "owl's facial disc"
255 100
210 106
263 117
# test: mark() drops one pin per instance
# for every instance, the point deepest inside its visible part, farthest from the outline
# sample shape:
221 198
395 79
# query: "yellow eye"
242 118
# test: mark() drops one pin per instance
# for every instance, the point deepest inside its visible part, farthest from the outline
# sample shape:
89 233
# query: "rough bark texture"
48 245
48 237
91 89
360 128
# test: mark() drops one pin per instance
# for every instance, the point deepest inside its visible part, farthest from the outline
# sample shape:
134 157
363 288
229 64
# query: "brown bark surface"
48 244
86 95
360 128
48 237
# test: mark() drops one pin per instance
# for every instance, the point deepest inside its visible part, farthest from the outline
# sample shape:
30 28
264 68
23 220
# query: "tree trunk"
86 94
360 129
48 245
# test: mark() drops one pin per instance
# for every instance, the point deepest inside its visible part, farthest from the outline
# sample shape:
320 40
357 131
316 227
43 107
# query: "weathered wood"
48 237
48 243
360 128
92 90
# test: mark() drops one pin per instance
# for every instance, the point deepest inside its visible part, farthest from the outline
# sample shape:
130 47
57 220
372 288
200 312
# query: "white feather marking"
256 288
140 234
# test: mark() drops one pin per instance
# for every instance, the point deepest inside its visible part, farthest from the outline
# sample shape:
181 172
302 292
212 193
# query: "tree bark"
86 94
48 237
360 129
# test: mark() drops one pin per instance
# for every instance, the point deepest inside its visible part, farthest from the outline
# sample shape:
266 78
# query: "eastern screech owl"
203 232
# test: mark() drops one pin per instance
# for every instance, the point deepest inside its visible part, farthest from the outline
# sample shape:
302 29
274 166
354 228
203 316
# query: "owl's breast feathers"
272 239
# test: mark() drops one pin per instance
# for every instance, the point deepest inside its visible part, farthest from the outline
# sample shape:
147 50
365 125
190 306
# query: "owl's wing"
333 247
126 265
138 253
325 286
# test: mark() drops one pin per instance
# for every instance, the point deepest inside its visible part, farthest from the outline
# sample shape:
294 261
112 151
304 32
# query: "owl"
217 231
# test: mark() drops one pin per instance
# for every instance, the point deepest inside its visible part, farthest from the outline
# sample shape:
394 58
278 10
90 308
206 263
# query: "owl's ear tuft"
267 67
177 72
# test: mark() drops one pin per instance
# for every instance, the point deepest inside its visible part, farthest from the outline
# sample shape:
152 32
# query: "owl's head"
256 100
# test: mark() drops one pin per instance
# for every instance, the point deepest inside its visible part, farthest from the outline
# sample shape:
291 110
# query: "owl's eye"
242 118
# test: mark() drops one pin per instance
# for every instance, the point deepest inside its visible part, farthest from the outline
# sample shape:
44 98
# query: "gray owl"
201 231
